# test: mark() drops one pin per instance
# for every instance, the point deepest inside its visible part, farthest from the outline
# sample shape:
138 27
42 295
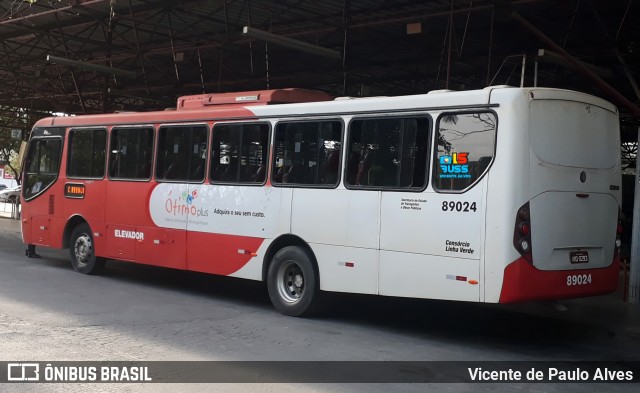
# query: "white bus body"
545 139
493 195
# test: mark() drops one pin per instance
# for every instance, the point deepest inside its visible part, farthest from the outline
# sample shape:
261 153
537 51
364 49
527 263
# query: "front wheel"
292 282
82 252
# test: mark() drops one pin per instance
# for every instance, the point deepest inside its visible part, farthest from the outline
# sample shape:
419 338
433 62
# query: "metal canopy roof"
108 55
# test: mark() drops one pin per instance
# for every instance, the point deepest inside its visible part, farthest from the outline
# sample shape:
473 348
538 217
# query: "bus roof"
300 102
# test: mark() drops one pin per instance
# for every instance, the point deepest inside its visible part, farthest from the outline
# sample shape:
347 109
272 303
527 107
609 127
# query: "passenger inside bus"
259 175
366 161
231 171
295 173
170 172
328 172
144 170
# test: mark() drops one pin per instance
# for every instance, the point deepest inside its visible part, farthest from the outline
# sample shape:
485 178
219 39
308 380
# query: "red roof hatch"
258 97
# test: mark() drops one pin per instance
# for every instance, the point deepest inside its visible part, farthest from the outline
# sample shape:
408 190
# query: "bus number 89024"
458 206
578 279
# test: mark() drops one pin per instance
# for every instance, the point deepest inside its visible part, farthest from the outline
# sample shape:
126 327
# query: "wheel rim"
83 249
290 282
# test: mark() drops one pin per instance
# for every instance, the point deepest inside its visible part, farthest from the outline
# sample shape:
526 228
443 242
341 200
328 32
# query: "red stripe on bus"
523 282
218 254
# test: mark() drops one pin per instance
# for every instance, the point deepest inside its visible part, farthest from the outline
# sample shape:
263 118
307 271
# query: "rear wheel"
292 282
82 252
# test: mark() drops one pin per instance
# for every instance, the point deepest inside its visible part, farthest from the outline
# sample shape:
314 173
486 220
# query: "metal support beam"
450 35
291 43
604 86
201 72
138 47
524 65
553 57
73 74
173 47
68 8
123 93
92 67
630 77
345 47
490 46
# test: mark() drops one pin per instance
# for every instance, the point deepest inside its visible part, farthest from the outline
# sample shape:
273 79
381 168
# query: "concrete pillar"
634 274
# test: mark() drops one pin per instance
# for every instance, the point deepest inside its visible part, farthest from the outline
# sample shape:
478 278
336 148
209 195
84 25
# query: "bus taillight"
619 230
522 232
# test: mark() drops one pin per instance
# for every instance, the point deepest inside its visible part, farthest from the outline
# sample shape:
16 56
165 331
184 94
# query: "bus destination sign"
74 190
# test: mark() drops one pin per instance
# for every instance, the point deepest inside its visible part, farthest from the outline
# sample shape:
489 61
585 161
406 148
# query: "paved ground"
132 312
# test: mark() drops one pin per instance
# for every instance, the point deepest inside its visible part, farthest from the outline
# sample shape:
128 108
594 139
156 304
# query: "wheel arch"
72 223
283 241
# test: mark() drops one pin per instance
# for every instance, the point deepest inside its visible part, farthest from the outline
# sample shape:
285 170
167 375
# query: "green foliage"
9 155
9 149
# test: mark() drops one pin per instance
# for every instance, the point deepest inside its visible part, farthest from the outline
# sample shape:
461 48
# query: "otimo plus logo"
455 166
184 205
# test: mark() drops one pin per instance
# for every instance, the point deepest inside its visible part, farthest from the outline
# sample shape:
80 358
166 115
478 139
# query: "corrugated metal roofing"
194 46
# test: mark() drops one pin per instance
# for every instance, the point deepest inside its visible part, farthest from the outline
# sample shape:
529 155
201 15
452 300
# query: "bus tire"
82 251
293 282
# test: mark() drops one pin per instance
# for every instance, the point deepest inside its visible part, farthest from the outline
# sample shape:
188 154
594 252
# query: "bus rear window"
465 148
573 134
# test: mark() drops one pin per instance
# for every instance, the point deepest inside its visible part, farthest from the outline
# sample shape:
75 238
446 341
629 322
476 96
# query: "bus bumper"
522 282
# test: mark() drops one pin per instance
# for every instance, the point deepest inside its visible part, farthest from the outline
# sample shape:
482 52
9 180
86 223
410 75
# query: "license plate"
579 257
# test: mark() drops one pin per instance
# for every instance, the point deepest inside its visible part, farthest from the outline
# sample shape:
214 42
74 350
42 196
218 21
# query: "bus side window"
181 150
87 153
239 153
307 153
130 153
465 149
389 152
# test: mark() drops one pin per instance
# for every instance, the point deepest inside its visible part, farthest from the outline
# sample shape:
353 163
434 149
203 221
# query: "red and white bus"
493 195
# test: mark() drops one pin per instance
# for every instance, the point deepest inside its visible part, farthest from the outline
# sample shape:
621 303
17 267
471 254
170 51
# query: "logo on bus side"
455 166
183 205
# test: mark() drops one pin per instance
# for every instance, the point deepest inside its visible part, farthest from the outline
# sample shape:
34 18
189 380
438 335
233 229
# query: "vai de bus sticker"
455 166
